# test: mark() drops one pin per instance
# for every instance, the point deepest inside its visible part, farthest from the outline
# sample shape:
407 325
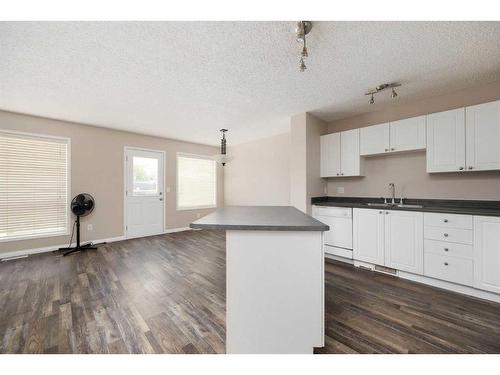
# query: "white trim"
462 289
445 285
175 230
38 135
338 258
46 249
166 231
197 207
67 140
194 156
164 218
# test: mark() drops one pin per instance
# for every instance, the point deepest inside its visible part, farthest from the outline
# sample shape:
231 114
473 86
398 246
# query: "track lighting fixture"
303 28
382 87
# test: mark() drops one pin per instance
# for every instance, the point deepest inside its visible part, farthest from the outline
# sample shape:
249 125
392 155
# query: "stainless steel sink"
409 206
379 204
393 205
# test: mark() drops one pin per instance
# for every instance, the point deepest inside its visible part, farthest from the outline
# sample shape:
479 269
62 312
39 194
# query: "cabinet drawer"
448 220
455 270
333 211
448 234
448 249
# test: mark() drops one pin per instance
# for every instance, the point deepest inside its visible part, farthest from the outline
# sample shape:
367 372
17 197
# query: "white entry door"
145 203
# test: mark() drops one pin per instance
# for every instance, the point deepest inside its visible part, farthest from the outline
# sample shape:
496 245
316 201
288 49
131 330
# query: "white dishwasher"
338 239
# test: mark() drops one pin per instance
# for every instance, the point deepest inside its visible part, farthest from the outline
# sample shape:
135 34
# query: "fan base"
71 250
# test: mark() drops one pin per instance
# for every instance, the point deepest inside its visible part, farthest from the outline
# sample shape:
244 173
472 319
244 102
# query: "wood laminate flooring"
166 294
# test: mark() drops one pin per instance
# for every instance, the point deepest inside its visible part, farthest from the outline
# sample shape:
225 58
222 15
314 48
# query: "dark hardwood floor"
166 294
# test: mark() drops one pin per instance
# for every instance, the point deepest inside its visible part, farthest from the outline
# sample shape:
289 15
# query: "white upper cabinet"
487 253
446 141
374 139
483 136
349 155
368 235
402 135
404 241
408 134
330 155
340 154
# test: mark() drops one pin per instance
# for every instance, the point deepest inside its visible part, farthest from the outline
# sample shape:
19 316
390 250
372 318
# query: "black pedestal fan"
81 205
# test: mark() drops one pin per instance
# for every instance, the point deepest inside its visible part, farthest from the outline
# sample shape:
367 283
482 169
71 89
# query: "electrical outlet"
89 227
198 215
168 189
340 190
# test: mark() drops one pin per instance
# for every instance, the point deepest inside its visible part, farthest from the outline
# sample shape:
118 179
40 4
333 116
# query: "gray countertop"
464 207
270 218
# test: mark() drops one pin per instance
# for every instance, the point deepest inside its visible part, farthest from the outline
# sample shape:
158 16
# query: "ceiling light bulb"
302 66
372 100
394 94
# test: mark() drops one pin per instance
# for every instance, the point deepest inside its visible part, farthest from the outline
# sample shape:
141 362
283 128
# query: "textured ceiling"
186 80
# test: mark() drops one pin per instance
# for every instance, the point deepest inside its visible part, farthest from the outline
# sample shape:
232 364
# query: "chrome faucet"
392 188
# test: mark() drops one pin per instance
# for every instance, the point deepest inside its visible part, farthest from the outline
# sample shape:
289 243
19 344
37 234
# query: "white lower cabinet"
459 249
368 235
389 238
404 241
445 267
487 253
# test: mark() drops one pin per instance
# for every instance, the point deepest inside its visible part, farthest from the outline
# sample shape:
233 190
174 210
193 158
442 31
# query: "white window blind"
196 182
33 186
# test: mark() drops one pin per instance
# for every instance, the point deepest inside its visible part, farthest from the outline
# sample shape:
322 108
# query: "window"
196 182
33 186
145 176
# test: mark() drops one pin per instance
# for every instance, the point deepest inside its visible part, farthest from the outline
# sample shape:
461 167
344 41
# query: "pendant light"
223 158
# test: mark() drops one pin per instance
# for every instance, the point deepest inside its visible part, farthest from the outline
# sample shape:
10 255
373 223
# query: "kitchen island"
274 278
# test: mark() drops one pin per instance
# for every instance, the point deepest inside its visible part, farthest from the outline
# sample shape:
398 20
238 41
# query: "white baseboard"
457 288
340 259
46 249
174 230
463 289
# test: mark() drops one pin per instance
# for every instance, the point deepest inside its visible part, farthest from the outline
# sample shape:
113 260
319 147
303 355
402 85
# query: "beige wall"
408 171
305 131
97 168
259 172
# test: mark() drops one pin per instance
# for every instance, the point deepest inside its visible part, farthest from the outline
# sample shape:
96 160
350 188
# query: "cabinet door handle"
445 263
380 212
461 168
387 212
470 167
337 174
446 234
445 249
392 148
445 220
386 149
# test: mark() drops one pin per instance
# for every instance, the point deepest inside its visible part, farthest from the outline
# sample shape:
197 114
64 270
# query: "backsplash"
408 173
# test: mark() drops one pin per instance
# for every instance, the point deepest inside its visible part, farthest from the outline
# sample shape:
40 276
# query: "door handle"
161 199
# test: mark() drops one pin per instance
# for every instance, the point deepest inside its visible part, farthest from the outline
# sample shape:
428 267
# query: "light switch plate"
340 190
168 189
